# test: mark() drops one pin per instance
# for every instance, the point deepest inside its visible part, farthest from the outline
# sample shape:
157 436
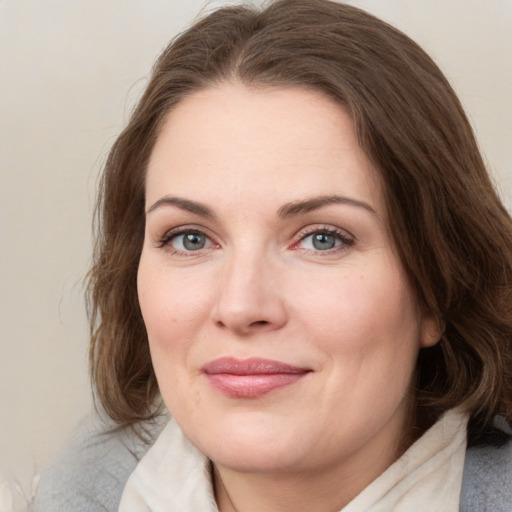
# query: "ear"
432 329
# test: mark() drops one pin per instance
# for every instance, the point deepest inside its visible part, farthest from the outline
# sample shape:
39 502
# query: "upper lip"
251 366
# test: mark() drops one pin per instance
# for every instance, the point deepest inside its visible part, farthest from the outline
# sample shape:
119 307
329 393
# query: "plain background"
70 72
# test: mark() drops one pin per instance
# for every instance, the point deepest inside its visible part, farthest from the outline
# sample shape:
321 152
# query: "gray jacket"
92 477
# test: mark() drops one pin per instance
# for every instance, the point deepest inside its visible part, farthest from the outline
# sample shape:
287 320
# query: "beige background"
70 72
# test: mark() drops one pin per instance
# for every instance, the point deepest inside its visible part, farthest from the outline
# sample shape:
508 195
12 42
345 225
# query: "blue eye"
189 241
325 240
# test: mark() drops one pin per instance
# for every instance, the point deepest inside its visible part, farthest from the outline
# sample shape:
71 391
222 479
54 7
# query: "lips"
250 378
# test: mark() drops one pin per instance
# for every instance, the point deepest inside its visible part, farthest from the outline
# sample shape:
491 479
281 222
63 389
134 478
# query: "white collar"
427 477
175 477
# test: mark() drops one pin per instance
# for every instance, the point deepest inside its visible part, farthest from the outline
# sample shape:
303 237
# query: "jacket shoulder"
91 476
487 479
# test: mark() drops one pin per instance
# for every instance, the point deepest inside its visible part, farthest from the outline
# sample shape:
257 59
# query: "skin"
261 287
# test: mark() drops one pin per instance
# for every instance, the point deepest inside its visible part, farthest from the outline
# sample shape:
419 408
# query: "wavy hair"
452 233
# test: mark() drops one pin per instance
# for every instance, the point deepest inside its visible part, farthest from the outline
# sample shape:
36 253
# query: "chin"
256 449
255 459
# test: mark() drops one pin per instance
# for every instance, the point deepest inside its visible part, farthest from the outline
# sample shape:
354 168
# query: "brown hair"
452 233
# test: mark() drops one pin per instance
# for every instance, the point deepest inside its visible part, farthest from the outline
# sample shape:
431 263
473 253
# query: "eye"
190 241
321 241
324 240
184 241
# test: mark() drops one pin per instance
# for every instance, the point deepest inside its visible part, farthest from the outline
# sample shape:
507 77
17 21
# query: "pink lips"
250 378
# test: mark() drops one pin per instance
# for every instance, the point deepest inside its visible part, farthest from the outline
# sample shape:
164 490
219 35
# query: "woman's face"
282 328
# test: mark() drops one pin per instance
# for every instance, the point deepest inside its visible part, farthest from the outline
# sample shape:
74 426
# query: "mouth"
251 378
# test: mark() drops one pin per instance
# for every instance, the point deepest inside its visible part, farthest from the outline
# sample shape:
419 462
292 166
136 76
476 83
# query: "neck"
327 491
320 485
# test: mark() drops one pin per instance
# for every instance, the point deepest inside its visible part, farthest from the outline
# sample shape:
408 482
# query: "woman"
301 254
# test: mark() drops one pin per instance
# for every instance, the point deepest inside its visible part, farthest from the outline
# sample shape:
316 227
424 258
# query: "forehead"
273 142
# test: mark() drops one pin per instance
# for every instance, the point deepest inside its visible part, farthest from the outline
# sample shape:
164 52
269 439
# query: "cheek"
174 309
366 324
173 312
170 301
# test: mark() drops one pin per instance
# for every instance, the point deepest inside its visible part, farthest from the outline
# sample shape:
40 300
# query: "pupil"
193 241
322 241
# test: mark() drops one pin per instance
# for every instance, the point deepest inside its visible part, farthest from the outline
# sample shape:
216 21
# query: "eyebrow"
184 204
298 207
287 210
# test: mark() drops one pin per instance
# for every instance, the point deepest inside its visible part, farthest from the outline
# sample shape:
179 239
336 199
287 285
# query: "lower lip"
252 386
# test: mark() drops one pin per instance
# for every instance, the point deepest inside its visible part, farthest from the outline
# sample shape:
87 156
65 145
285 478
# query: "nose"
250 299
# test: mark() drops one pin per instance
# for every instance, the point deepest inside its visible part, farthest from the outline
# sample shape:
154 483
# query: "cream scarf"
175 477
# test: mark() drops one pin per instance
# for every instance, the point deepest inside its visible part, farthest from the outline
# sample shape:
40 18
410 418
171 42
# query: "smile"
250 378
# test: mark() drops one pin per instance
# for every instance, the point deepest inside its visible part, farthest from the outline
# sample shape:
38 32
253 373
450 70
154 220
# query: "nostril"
260 322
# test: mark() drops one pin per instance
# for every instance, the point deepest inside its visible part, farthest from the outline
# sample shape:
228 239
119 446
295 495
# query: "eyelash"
165 241
344 238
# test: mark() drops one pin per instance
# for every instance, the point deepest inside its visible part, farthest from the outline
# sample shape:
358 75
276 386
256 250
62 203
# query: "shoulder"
487 480
91 476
